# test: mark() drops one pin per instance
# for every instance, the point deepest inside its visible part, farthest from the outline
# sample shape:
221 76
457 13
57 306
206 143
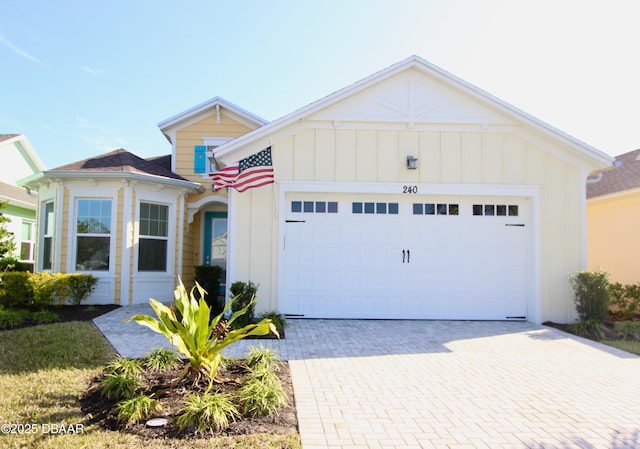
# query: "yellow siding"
471 147
304 155
64 249
492 159
190 136
367 156
118 235
613 240
429 160
387 156
450 158
133 218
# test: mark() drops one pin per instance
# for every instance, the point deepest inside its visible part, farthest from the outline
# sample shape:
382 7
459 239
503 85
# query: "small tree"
591 295
7 241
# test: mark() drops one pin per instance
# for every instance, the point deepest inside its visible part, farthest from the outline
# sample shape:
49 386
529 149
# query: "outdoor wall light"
412 162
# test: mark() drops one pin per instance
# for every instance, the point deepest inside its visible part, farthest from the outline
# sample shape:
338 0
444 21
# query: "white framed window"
47 223
153 237
212 143
27 241
93 234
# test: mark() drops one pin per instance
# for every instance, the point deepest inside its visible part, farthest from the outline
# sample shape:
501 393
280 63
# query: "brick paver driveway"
449 384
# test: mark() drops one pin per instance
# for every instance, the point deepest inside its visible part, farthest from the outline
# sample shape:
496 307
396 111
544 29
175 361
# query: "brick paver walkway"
446 384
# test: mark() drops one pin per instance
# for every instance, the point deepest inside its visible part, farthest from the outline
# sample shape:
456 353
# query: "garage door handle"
403 255
406 255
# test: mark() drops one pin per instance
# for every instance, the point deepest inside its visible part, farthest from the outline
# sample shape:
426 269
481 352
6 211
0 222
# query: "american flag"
253 171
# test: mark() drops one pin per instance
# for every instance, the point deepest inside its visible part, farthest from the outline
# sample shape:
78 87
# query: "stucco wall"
613 240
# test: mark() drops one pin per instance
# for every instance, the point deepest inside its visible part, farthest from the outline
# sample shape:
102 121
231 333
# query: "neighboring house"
18 161
409 194
613 220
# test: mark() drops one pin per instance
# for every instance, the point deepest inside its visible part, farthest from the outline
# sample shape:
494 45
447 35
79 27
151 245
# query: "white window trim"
171 232
32 240
212 142
73 235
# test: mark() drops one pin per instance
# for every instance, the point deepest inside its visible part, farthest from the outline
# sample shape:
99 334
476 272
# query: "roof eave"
433 70
174 121
86 174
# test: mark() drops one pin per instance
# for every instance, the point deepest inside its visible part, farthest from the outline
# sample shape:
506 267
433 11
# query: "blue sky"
80 78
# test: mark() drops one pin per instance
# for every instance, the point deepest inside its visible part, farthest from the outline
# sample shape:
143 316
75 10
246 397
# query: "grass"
629 346
45 369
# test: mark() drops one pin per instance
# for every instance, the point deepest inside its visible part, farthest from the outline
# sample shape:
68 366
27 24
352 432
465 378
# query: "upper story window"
154 237
203 155
93 234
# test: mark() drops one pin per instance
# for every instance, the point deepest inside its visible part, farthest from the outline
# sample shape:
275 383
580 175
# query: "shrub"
12 318
628 330
47 287
161 359
125 367
209 278
13 264
261 357
244 294
625 299
15 289
119 386
591 295
278 320
137 409
591 328
80 286
45 316
262 394
213 412
198 336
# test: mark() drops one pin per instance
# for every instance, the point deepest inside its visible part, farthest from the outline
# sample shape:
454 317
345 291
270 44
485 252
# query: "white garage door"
405 256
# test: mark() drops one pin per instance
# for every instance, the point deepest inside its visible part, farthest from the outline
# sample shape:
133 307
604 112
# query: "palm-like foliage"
195 334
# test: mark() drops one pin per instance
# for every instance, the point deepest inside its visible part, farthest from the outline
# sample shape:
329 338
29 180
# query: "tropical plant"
119 386
124 366
244 294
591 295
161 359
10 318
198 336
80 286
278 320
137 408
213 412
209 278
591 328
261 357
262 394
628 330
45 316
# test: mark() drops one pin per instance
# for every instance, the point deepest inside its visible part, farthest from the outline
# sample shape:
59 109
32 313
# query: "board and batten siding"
444 157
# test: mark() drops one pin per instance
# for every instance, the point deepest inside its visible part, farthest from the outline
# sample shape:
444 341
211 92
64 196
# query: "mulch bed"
99 410
66 313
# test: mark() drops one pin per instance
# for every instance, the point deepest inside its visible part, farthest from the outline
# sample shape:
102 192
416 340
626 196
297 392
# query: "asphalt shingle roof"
122 160
624 176
11 192
7 136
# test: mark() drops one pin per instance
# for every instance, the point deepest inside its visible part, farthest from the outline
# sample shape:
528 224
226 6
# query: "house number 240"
409 189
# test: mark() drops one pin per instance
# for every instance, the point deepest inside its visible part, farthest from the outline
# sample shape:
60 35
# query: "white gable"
411 98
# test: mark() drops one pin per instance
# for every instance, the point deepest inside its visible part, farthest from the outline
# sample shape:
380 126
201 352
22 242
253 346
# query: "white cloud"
20 52
92 71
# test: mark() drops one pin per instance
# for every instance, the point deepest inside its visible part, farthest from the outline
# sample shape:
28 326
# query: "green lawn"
45 369
629 346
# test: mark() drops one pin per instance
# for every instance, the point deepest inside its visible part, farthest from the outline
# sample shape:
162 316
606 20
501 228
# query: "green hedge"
19 288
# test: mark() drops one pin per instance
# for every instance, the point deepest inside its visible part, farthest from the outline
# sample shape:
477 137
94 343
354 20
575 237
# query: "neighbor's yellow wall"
613 240
119 248
344 155
190 136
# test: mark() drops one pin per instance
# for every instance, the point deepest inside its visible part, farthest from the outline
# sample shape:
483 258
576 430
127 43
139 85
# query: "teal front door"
215 243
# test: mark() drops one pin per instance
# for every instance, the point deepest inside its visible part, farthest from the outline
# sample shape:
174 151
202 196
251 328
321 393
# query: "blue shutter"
200 159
